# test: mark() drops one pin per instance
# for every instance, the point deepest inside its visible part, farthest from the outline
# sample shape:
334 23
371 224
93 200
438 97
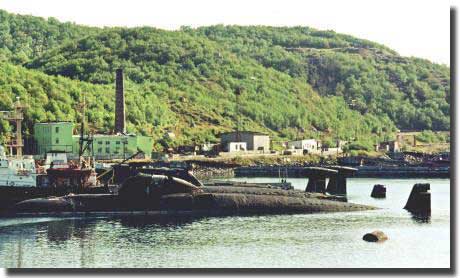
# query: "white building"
255 141
236 147
310 145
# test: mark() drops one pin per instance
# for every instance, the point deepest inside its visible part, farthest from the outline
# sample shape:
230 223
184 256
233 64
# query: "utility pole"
82 126
238 93
337 134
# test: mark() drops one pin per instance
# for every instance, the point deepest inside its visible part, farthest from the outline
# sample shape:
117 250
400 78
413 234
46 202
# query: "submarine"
166 195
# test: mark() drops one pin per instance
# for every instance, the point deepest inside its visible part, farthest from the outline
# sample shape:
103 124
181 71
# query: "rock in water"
379 191
375 236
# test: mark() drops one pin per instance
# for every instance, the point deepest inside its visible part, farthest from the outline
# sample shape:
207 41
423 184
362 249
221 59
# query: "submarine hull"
212 204
159 194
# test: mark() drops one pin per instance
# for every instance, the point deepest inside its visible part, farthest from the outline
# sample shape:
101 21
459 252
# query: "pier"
362 171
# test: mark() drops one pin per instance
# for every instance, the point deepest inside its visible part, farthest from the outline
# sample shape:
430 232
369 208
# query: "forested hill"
414 93
297 82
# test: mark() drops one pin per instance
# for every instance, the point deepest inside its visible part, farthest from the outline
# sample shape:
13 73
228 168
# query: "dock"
362 171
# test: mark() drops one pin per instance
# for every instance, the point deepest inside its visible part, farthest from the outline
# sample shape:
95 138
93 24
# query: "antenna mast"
85 142
82 126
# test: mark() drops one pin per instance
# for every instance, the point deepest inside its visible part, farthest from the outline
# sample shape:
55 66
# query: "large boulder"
375 236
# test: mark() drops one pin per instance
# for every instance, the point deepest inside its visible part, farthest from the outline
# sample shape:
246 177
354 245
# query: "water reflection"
421 217
160 221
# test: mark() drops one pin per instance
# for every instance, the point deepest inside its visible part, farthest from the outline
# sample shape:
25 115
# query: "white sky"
412 28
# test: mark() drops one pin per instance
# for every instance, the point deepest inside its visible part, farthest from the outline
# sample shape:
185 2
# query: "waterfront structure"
58 137
255 141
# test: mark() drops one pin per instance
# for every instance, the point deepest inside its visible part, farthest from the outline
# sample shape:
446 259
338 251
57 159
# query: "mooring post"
419 201
379 191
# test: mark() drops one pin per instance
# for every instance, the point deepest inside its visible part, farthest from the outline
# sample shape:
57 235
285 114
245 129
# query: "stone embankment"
207 173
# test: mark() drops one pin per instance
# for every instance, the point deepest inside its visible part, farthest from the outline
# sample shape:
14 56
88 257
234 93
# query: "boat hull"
202 203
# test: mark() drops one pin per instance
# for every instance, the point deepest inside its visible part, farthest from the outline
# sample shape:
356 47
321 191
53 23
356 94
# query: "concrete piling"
419 201
316 184
337 184
379 191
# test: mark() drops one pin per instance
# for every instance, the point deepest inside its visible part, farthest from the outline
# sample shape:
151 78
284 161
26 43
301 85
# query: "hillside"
296 81
414 93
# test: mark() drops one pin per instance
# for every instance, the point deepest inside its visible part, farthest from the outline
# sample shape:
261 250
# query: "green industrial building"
59 137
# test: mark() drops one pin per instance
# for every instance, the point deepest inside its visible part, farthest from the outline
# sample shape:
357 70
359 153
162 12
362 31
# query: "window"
107 142
99 142
118 142
57 140
107 150
99 150
56 129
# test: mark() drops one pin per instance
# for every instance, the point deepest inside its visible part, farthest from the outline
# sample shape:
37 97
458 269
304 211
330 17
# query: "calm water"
315 240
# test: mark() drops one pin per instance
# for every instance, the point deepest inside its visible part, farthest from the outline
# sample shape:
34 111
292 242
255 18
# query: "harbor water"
326 240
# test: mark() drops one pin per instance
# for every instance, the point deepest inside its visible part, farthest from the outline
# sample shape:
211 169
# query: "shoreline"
207 173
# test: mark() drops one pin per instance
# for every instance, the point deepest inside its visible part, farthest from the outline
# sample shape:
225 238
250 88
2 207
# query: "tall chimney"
119 103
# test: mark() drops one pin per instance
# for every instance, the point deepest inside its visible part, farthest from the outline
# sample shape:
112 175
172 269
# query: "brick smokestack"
119 103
